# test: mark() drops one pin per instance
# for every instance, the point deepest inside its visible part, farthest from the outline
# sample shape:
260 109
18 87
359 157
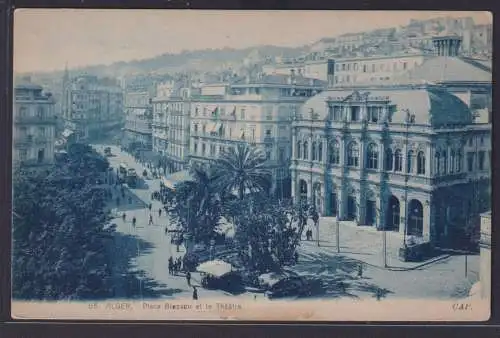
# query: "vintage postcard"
252 165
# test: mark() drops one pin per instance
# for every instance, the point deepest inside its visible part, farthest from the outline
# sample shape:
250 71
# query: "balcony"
28 140
35 120
269 139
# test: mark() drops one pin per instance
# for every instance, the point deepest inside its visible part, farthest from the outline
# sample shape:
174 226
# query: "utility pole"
384 246
337 235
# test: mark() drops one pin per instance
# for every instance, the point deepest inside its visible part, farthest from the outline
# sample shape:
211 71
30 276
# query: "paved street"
153 245
442 279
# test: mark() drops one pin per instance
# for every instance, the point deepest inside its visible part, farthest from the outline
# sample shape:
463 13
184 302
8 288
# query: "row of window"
370 68
212 151
340 113
443 164
41 112
221 131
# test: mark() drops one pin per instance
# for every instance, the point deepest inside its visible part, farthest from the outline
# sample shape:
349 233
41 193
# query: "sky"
47 39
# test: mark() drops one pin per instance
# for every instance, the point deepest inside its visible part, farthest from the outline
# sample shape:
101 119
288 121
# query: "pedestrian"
159 212
124 217
315 217
170 265
134 220
150 206
195 293
179 263
360 270
188 278
150 219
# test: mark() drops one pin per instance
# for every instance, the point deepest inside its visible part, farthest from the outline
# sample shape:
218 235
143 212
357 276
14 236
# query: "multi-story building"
138 128
255 110
407 158
171 109
139 115
91 106
34 125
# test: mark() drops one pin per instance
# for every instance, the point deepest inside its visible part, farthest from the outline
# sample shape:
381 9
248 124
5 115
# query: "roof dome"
427 105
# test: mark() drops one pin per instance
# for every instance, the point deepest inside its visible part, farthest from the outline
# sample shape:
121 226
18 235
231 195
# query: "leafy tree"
266 233
61 230
196 204
241 168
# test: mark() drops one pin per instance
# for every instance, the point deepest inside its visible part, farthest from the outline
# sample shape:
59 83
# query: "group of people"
174 265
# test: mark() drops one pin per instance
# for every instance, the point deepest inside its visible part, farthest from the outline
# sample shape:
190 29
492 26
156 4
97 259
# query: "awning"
67 132
172 180
216 268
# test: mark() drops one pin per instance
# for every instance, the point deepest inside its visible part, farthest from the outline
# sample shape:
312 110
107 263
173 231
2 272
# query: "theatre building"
407 158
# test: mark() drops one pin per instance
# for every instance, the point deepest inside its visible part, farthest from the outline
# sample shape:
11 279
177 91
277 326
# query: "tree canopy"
61 230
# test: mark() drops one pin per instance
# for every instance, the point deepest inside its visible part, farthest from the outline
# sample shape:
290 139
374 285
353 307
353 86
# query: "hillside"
198 60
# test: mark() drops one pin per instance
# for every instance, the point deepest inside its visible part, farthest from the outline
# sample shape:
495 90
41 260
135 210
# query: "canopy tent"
172 180
271 278
67 132
216 268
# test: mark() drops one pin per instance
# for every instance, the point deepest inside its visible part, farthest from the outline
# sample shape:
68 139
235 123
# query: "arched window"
372 156
444 166
305 154
452 161
314 154
398 160
334 151
299 149
389 159
437 163
320 151
420 163
353 155
459 161
409 162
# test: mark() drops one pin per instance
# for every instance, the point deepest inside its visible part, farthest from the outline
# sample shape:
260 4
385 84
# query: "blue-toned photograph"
251 156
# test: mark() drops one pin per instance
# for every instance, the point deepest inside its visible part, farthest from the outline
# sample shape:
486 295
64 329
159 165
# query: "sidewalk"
361 243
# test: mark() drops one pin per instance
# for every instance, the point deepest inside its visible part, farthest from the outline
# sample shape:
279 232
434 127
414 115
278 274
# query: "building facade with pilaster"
412 159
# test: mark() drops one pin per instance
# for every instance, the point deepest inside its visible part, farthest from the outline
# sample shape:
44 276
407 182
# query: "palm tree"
241 168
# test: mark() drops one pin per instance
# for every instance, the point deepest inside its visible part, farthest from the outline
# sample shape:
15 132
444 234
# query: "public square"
149 248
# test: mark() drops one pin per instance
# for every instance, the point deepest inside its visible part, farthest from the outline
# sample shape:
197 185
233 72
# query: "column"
381 156
342 151
428 160
362 159
405 157
341 202
402 213
380 211
294 144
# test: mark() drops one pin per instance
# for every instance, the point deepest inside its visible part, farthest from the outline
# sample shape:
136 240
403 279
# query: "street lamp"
212 244
337 233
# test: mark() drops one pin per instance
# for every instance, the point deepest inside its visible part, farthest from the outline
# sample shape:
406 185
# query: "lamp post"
212 245
337 233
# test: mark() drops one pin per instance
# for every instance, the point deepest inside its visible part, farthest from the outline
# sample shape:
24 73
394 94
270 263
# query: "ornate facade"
409 159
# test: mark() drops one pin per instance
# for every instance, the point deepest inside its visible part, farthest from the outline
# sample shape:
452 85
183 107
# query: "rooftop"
430 105
442 69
